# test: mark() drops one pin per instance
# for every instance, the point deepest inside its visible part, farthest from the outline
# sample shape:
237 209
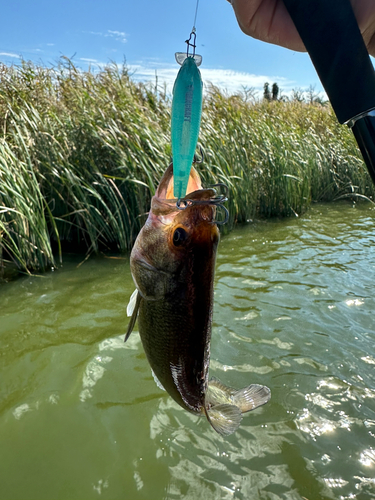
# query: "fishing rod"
330 33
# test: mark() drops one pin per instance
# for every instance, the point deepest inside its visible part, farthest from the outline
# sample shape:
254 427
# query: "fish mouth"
194 189
202 202
165 188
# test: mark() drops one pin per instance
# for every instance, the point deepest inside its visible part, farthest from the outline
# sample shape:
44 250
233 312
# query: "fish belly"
176 344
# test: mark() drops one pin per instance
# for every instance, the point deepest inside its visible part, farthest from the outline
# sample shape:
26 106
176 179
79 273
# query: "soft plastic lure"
186 119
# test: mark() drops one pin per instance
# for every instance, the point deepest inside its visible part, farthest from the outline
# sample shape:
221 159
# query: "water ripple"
293 310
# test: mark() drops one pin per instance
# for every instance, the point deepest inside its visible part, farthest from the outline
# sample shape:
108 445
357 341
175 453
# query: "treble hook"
186 203
195 159
224 196
218 201
221 222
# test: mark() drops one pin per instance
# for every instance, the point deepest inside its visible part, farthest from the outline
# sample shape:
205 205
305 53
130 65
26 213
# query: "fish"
172 264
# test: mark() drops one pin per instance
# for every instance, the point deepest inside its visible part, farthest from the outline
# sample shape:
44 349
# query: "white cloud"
233 81
86 59
226 79
9 54
119 36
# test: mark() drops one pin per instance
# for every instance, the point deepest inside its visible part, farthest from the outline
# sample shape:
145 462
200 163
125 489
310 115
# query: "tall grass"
280 156
81 154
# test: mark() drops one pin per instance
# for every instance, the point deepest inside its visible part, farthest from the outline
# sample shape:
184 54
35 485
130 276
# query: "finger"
268 20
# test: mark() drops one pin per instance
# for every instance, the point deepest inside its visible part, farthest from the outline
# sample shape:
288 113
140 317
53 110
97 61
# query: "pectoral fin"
132 310
132 302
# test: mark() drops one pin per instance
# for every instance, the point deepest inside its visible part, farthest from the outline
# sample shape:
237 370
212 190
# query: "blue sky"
146 34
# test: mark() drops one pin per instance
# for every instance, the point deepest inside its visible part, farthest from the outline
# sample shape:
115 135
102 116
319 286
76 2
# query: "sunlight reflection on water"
293 310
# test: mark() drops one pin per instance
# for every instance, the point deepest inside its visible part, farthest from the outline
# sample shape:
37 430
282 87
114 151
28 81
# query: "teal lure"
185 122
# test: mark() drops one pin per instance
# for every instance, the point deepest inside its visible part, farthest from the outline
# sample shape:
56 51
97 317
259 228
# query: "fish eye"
179 236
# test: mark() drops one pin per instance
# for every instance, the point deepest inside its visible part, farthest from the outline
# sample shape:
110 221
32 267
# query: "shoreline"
82 153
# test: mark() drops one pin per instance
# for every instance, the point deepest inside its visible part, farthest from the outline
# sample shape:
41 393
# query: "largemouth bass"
172 264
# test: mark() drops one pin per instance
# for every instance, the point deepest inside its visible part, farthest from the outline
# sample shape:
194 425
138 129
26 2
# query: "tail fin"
246 399
224 418
251 397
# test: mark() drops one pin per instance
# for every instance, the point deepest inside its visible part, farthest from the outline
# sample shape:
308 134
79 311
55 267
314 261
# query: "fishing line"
193 34
195 17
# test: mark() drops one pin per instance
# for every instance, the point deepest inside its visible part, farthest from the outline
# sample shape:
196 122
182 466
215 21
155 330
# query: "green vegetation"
81 154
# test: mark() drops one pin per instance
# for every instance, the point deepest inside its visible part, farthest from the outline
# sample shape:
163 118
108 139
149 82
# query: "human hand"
268 20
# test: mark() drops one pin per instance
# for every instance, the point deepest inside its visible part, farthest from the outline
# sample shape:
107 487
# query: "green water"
81 417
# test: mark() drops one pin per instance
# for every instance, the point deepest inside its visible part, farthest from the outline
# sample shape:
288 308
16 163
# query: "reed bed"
81 154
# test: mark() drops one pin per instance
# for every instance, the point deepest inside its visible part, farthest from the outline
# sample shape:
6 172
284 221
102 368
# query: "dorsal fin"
218 393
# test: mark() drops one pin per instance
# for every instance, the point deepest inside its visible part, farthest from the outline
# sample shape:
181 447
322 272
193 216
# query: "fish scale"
183 315
172 362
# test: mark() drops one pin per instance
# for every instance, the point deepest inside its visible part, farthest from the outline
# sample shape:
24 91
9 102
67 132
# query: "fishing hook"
195 160
191 43
222 222
224 196
218 201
